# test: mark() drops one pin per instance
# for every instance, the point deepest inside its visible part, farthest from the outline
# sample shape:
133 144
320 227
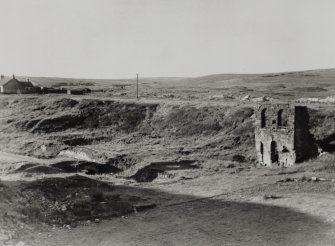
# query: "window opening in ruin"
273 122
274 152
262 151
263 118
280 118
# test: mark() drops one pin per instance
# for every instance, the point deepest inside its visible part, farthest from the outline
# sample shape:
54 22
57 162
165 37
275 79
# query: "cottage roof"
5 80
23 83
26 83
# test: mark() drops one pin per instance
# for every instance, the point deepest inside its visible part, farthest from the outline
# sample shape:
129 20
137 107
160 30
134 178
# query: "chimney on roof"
2 76
13 76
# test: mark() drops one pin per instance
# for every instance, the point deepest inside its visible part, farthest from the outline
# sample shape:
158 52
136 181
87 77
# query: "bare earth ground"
176 168
218 209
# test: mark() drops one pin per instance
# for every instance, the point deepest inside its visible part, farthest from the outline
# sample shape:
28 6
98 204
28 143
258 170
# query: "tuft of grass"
325 163
326 167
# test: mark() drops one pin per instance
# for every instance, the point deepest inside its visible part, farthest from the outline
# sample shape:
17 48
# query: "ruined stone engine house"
282 135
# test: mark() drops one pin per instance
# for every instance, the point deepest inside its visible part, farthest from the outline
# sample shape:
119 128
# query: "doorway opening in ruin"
263 118
274 152
280 118
262 151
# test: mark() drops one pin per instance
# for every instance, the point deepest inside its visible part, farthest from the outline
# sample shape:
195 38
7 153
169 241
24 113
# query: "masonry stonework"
282 135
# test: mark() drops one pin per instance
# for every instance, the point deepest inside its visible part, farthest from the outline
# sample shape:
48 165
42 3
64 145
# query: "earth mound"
71 199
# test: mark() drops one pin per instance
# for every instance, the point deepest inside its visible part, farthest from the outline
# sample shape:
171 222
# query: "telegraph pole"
137 86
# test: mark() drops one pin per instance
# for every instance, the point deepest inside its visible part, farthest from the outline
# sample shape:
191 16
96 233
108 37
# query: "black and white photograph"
167 123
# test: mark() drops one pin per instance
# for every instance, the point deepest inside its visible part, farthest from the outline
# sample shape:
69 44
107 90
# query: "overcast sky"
118 38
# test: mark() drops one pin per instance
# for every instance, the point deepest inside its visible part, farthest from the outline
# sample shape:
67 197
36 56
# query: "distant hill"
309 83
321 76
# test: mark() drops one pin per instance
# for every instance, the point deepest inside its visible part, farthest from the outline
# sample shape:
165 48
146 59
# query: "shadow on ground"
189 220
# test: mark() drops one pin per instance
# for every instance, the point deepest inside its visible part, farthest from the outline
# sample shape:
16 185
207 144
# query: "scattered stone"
185 178
286 180
330 220
266 197
246 98
97 221
144 206
63 208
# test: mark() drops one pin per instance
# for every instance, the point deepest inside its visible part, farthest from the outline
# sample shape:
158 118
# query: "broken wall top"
275 116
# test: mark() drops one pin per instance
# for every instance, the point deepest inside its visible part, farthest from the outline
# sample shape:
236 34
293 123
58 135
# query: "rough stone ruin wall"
274 135
282 135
